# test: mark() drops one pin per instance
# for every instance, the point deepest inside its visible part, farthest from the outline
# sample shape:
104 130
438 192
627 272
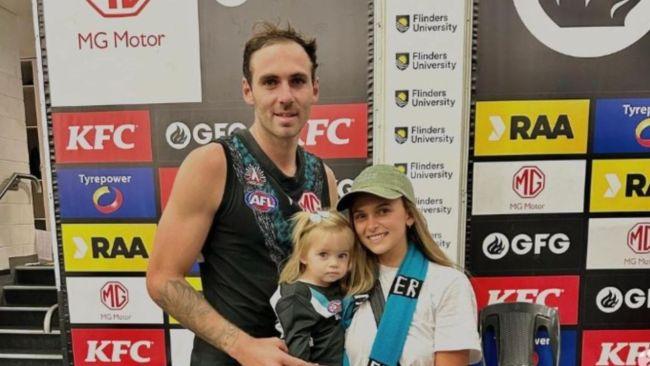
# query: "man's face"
282 90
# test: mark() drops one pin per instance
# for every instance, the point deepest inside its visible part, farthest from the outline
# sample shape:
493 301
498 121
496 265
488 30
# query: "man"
231 201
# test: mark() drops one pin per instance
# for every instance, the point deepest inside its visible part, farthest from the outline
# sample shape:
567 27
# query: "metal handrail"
11 183
47 321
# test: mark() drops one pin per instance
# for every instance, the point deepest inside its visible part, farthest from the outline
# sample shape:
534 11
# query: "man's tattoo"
189 307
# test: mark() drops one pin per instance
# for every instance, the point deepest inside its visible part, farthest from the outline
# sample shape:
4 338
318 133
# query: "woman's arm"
452 358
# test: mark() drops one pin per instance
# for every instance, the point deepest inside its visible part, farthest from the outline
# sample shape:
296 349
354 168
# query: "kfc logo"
114 295
616 347
122 136
337 131
638 238
560 292
118 8
528 182
124 347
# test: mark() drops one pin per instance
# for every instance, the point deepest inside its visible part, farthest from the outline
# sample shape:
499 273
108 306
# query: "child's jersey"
308 318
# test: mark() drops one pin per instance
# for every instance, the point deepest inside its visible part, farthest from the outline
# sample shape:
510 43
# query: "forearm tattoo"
189 307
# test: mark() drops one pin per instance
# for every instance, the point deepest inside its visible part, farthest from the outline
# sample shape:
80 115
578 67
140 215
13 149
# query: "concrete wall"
16 213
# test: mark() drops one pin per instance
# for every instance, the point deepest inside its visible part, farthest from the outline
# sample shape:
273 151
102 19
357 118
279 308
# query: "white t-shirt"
444 320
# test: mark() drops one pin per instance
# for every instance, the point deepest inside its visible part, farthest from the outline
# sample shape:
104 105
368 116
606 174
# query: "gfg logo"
118 8
611 299
528 182
179 135
497 245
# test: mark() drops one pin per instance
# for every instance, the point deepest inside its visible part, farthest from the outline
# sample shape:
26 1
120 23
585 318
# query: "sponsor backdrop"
559 172
134 86
422 101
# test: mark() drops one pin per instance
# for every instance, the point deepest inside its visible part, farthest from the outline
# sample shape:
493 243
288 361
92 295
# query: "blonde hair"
361 276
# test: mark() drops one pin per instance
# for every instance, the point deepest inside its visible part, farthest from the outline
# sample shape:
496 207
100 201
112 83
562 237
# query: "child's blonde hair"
305 226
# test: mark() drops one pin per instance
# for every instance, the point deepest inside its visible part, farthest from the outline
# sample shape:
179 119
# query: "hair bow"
318 216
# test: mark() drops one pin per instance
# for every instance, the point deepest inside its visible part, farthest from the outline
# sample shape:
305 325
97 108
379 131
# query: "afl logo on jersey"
261 201
309 202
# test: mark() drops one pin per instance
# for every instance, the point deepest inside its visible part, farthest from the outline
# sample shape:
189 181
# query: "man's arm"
331 182
183 227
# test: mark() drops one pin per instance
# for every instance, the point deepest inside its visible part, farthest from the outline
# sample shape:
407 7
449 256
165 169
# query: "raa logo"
401 134
402 22
521 127
636 185
103 248
401 98
402 60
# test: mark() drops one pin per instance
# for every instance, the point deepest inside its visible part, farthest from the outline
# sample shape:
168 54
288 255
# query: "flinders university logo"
401 98
401 134
402 167
402 60
402 23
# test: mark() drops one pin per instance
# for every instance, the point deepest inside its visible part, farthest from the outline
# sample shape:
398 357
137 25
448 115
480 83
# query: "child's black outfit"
309 320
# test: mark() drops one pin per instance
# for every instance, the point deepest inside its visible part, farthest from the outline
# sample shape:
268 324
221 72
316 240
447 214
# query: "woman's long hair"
419 234
306 227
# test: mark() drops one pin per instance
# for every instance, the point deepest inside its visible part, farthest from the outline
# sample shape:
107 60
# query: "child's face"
328 258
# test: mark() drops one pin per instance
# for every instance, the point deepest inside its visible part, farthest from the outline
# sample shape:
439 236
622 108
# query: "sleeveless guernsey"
250 237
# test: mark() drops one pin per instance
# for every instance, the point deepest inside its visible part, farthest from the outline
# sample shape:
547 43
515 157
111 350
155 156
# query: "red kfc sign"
560 292
166 178
120 136
337 131
118 8
124 347
616 348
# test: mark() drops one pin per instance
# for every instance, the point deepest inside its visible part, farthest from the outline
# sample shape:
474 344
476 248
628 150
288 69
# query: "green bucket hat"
380 180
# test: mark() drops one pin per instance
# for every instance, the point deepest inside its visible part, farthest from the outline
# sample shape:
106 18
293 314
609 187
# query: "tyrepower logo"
620 185
337 131
118 8
622 126
560 292
531 127
528 182
106 193
121 136
124 347
616 347
107 247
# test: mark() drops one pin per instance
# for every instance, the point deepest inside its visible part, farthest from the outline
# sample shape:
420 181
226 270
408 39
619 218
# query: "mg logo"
638 238
114 295
118 8
528 182
309 202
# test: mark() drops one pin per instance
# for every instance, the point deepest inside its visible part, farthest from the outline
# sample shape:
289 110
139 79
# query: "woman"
429 313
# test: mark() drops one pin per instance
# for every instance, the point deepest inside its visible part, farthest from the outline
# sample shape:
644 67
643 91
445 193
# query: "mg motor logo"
528 182
114 295
118 8
638 238
309 202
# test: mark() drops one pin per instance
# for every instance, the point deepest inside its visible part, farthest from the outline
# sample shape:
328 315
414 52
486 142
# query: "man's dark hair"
266 34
